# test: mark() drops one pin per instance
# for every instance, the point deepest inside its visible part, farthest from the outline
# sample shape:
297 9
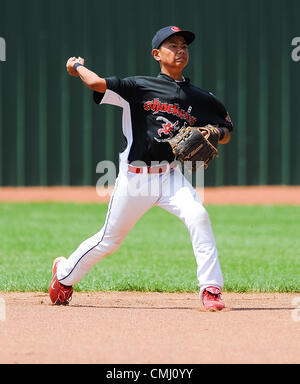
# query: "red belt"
157 169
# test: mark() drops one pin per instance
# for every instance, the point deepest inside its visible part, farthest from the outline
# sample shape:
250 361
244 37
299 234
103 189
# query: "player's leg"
183 201
124 210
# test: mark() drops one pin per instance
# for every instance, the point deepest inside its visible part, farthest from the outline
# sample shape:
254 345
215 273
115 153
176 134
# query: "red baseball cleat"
59 294
211 299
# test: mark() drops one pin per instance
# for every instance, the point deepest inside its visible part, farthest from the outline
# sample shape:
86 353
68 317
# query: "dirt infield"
150 328
218 195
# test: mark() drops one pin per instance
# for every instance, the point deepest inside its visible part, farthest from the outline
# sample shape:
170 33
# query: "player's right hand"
70 65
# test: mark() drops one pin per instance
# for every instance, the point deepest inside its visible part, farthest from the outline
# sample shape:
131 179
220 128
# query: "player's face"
173 53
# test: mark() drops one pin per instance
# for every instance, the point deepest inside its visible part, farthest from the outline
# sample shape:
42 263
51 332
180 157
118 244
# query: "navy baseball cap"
166 32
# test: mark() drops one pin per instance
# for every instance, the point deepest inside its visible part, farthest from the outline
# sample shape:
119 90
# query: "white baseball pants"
134 195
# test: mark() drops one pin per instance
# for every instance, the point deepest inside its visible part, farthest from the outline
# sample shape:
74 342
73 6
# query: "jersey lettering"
156 106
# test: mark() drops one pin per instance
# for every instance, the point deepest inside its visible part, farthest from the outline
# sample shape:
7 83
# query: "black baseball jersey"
155 108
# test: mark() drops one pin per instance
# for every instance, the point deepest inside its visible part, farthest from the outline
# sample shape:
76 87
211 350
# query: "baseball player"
154 108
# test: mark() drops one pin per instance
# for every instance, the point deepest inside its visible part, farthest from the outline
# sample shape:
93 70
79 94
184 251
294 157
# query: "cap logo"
175 29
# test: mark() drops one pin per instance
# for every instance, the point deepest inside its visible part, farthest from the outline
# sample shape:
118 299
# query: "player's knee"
111 240
115 245
197 216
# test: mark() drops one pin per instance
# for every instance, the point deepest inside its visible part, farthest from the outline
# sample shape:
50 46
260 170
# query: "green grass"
259 248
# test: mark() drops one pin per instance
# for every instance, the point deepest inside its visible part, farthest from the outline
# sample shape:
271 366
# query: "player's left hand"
196 145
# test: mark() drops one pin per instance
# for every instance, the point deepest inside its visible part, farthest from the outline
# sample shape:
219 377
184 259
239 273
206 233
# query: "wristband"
222 133
76 65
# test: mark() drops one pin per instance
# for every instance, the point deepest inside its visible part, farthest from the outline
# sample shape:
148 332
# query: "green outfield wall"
245 52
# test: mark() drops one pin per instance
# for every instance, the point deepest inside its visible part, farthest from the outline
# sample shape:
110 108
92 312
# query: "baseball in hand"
70 65
80 60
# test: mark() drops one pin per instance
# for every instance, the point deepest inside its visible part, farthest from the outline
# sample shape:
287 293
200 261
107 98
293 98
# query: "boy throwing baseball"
154 109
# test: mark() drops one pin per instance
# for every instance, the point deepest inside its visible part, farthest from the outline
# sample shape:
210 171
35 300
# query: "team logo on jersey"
168 128
156 106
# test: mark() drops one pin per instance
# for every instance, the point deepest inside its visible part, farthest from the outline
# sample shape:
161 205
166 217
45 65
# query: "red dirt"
150 328
217 195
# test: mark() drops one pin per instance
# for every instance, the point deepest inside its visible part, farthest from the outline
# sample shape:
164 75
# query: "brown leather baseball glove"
196 144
